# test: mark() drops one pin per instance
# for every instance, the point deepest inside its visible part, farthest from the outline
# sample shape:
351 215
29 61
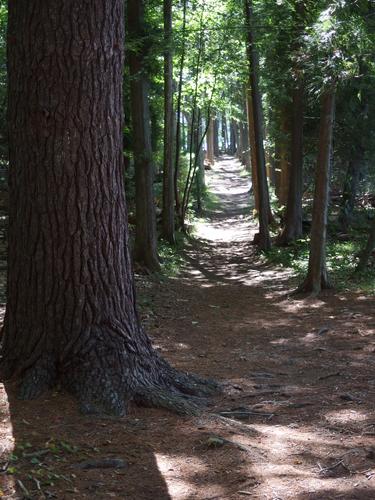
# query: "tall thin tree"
317 276
168 171
145 251
264 240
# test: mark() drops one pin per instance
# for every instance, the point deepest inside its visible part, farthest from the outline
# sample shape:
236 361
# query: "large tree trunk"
168 171
264 240
71 315
293 217
145 251
317 276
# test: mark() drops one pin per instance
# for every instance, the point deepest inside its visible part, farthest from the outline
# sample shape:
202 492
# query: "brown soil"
295 420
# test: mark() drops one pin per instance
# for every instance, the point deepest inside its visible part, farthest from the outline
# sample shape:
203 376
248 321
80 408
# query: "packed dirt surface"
296 416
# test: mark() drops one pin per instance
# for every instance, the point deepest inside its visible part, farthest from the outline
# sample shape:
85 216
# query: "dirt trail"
295 420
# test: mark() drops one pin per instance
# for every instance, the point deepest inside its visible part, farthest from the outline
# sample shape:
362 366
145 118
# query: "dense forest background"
189 83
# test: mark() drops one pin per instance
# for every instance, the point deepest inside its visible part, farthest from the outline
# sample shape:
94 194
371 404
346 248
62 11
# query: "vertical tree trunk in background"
232 139
237 138
317 276
367 251
75 321
247 157
350 190
216 138
284 165
168 170
253 158
224 133
243 143
292 229
178 118
264 240
184 132
145 251
210 142
293 217
200 174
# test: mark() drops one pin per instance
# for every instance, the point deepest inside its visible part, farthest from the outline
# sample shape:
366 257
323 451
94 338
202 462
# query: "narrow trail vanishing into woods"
295 419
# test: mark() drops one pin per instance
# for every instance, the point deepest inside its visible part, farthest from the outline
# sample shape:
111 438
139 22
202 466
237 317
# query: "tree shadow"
48 440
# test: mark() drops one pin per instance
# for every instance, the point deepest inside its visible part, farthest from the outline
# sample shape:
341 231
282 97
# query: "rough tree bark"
317 276
168 171
71 315
264 239
145 250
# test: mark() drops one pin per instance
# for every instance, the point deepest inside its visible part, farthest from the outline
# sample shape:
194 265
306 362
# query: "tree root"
110 370
37 379
154 397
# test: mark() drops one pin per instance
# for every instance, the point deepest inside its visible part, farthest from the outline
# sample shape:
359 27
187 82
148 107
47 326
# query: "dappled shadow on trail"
298 374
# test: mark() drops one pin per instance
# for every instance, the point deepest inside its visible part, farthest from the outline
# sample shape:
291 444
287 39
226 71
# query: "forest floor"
296 417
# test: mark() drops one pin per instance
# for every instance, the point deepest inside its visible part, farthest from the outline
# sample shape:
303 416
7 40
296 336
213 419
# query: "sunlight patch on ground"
346 416
179 474
7 444
227 234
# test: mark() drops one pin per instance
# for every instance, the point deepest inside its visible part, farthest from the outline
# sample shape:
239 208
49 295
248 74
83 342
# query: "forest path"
296 417
298 402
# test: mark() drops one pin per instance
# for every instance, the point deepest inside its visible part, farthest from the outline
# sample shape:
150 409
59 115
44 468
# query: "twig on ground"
324 470
258 455
324 377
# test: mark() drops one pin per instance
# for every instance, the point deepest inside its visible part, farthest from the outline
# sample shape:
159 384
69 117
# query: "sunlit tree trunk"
216 138
253 158
210 142
317 276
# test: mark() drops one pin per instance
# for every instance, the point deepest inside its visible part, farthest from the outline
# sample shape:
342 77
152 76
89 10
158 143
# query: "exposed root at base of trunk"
37 379
312 287
169 400
112 370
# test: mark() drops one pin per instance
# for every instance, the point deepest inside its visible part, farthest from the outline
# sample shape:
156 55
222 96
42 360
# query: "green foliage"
342 258
171 257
